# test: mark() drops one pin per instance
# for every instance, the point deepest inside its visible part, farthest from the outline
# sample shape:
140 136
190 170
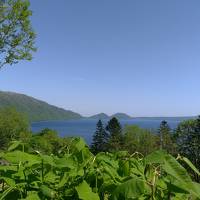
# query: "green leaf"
65 162
79 144
6 192
48 192
85 192
173 167
9 181
16 157
189 163
14 145
32 196
156 157
131 189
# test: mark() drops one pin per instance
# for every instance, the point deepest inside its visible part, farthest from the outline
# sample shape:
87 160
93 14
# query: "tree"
114 128
164 133
139 140
100 139
12 125
187 137
47 141
16 34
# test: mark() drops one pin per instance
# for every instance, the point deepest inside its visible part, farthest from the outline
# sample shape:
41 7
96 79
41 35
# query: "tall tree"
140 140
164 133
16 34
100 138
12 124
115 135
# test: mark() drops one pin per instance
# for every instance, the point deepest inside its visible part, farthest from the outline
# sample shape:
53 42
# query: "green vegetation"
115 142
16 34
127 165
75 173
100 139
139 140
165 135
35 110
12 126
187 137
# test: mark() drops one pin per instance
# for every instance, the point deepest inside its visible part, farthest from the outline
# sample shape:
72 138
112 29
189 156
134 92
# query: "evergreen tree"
164 133
115 135
100 138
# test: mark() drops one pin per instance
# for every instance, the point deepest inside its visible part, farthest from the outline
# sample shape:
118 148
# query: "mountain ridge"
36 110
39 110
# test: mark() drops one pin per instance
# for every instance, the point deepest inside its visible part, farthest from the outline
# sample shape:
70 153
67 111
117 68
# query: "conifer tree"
164 132
115 135
100 138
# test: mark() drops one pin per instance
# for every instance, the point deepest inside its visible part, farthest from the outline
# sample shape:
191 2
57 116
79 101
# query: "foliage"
16 34
12 125
78 174
187 137
115 135
47 142
165 135
140 140
100 139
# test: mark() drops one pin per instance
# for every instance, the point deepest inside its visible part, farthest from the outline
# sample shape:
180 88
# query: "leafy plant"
78 174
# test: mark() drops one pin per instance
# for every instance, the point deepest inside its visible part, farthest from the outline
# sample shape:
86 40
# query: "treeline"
132 138
184 140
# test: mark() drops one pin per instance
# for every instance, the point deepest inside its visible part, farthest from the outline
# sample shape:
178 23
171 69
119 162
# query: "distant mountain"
101 116
35 109
121 116
104 116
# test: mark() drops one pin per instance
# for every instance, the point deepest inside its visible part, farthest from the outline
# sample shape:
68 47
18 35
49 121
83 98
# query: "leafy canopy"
16 34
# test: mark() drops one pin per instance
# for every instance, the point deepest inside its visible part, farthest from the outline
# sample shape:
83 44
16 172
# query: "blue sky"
135 56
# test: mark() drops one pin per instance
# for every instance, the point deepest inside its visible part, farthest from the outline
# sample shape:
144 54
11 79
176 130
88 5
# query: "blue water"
86 127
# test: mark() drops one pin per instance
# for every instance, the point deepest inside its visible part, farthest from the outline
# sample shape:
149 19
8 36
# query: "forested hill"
35 109
104 116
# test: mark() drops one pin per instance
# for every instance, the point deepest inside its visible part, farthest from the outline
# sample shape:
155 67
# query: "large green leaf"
155 157
17 157
189 163
173 167
131 189
65 162
85 192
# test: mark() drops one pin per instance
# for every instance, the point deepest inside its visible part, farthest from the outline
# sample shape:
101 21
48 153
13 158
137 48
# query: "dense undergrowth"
78 174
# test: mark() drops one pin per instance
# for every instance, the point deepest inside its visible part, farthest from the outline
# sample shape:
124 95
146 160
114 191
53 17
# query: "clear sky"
136 56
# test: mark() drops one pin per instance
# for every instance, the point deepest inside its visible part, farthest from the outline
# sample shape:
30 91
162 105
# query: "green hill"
101 116
122 116
35 109
104 116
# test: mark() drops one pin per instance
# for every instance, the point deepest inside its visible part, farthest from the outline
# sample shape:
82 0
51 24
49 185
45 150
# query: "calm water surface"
86 127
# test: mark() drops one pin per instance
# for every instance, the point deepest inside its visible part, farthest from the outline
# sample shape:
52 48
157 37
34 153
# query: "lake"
86 127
